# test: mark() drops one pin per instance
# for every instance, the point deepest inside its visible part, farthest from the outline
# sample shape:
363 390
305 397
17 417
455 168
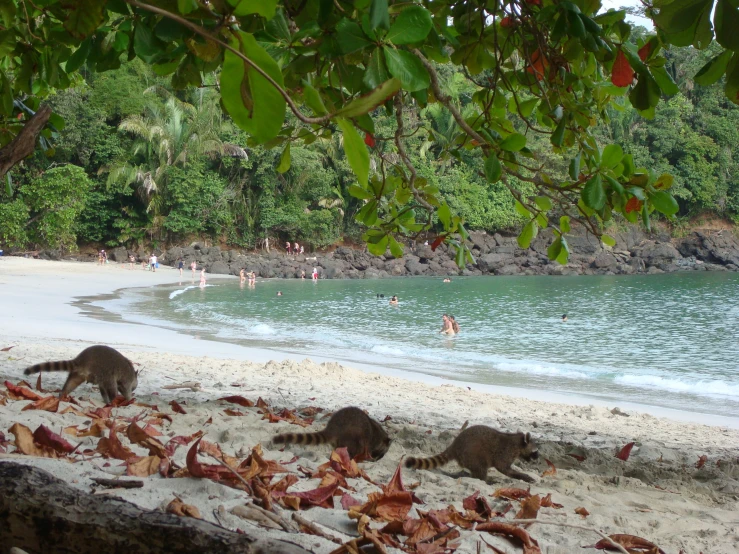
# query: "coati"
349 427
101 365
478 448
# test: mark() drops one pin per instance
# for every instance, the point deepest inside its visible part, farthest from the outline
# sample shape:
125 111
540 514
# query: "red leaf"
625 452
507 22
120 402
437 241
261 403
240 400
347 501
322 496
546 502
176 407
538 65
6 348
174 442
46 437
21 392
621 75
112 447
582 511
644 51
369 140
38 383
234 413
530 546
48 404
701 461
551 471
630 542
578 457
633 205
512 493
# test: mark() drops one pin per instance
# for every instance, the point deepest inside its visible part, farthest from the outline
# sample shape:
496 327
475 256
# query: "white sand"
657 494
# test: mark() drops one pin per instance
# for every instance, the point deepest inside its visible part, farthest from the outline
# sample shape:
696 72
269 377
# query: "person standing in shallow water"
180 266
242 276
564 318
455 325
202 277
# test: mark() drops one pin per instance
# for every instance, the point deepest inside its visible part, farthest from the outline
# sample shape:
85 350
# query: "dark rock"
415 267
119 255
509 269
605 260
656 253
219 268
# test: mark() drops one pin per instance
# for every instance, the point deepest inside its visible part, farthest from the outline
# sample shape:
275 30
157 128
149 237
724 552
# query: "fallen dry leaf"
512 493
46 437
261 403
625 452
17 392
25 444
478 504
631 543
176 407
529 507
551 471
530 546
179 508
142 466
47 404
322 497
701 461
138 436
578 457
121 402
111 447
174 442
7 348
347 501
233 413
546 502
240 400
582 512
38 383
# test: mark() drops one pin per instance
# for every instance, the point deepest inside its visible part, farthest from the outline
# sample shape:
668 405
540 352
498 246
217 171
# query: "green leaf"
726 21
646 93
378 248
521 210
7 43
350 36
664 202
610 17
713 70
544 203
615 185
732 79
379 15
313 99
368 213
376 72
187 6
79 56
368 102
564 252
493 171
574 169
355 150
528 233
593 194
146 45
84 17
358 192
412 25
445 215
612 156
559 133
555 249
284 159
608 240
686 22
513 142
664 182
6 95
408 68
265 8
564 224
664 80
395 249
251 101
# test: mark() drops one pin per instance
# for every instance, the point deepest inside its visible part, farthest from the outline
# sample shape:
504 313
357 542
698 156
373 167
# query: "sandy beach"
678 489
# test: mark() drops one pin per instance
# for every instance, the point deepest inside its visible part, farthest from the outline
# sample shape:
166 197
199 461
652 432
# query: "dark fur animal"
478 448
101 365
349 427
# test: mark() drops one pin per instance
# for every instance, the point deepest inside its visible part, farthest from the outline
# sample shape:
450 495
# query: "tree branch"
24 143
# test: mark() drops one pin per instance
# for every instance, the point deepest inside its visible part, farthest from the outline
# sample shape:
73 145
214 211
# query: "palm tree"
169 135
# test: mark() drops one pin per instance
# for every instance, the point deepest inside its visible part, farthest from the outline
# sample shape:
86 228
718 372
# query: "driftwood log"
40 513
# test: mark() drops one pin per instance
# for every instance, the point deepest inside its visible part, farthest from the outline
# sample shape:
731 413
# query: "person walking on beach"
202 277
194 267
288 247
153 263
131 261
181 266
315 274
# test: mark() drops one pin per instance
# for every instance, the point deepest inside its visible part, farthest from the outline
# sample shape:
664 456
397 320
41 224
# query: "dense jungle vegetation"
138 162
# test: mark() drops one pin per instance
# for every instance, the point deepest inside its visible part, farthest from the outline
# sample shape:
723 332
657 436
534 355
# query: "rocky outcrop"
635 252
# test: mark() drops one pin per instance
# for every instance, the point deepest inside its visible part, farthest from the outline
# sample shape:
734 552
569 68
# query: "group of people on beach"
294 249
251 276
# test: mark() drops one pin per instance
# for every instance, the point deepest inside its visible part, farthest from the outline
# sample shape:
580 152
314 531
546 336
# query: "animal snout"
534 455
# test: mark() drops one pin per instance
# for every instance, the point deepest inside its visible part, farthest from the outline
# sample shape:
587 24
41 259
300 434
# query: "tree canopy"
522 86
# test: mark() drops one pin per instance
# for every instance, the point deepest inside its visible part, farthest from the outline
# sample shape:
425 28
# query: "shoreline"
659 494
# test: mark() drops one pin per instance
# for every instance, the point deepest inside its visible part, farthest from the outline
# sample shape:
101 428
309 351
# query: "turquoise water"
663 340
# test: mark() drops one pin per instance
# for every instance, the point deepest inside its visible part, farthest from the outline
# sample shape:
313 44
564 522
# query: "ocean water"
662 340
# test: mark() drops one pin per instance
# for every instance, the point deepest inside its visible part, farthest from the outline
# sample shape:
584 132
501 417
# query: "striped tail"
427 463
301 438
62 365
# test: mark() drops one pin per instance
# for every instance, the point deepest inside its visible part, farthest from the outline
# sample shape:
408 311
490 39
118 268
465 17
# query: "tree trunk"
24 143
40 513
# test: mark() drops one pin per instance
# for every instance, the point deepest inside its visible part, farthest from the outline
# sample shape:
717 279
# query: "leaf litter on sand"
632 543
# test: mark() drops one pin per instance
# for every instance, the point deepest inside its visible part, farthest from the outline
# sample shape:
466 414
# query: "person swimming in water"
279 293
446 327
564 318
394 301
447 280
